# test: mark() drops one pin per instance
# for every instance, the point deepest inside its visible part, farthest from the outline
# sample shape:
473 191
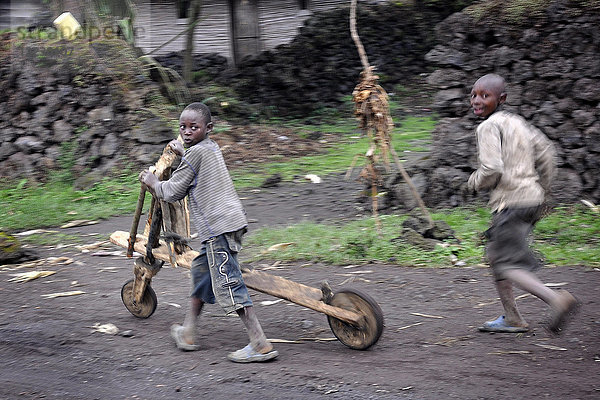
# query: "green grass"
570 235
355 242
359 242
508 11
412 134
28 206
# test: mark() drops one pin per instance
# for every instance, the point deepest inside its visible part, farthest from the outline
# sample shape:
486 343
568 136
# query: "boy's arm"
491 165
173 189
545 162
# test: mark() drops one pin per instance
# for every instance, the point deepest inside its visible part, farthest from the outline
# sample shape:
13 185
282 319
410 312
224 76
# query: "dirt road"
430 348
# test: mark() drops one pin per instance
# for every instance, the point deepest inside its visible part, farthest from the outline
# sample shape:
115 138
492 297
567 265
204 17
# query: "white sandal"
177 335
248 355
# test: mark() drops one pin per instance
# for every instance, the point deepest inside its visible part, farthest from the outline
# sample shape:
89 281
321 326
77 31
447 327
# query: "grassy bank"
412 134
28 206
568 236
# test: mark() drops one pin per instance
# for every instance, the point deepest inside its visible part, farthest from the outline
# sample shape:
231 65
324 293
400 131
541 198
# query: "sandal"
561 319
177 335
248 355
499 325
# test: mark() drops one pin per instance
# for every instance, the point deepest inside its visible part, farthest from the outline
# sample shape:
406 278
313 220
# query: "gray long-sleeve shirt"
516 161
214 204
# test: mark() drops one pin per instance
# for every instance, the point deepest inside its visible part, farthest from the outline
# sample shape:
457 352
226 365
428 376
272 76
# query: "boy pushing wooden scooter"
355 318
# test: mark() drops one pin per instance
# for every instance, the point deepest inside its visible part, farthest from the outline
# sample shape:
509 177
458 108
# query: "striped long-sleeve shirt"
516 162
215 207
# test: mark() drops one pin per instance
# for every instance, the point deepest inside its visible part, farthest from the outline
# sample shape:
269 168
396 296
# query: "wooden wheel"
146 307
369 329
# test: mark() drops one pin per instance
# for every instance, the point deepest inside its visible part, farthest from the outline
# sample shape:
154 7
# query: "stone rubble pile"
63 112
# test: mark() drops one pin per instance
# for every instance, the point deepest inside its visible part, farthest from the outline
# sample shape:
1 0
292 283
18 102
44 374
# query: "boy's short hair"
496 82
201 109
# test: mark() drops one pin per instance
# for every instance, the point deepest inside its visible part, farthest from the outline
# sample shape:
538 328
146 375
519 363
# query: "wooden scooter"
355 318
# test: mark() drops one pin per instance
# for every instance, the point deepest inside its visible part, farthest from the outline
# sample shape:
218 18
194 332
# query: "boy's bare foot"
564 313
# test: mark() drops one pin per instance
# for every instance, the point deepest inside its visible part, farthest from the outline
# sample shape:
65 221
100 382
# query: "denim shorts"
216 274
508 240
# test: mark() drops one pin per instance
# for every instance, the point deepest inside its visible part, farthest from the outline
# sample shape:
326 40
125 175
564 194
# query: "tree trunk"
194 14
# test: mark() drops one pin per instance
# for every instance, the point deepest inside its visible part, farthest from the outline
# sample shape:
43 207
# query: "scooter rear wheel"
369 329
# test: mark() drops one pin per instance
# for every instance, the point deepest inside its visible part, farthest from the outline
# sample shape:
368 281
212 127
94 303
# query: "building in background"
231 28
18 13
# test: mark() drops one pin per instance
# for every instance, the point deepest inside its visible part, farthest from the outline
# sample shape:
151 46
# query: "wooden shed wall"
325 5
15 14
279 21
157 22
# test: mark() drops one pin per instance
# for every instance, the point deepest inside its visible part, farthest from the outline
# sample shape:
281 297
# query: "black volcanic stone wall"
65 106
552 67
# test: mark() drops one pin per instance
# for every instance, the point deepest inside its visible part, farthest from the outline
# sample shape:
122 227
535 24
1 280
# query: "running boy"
221 222
516 162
